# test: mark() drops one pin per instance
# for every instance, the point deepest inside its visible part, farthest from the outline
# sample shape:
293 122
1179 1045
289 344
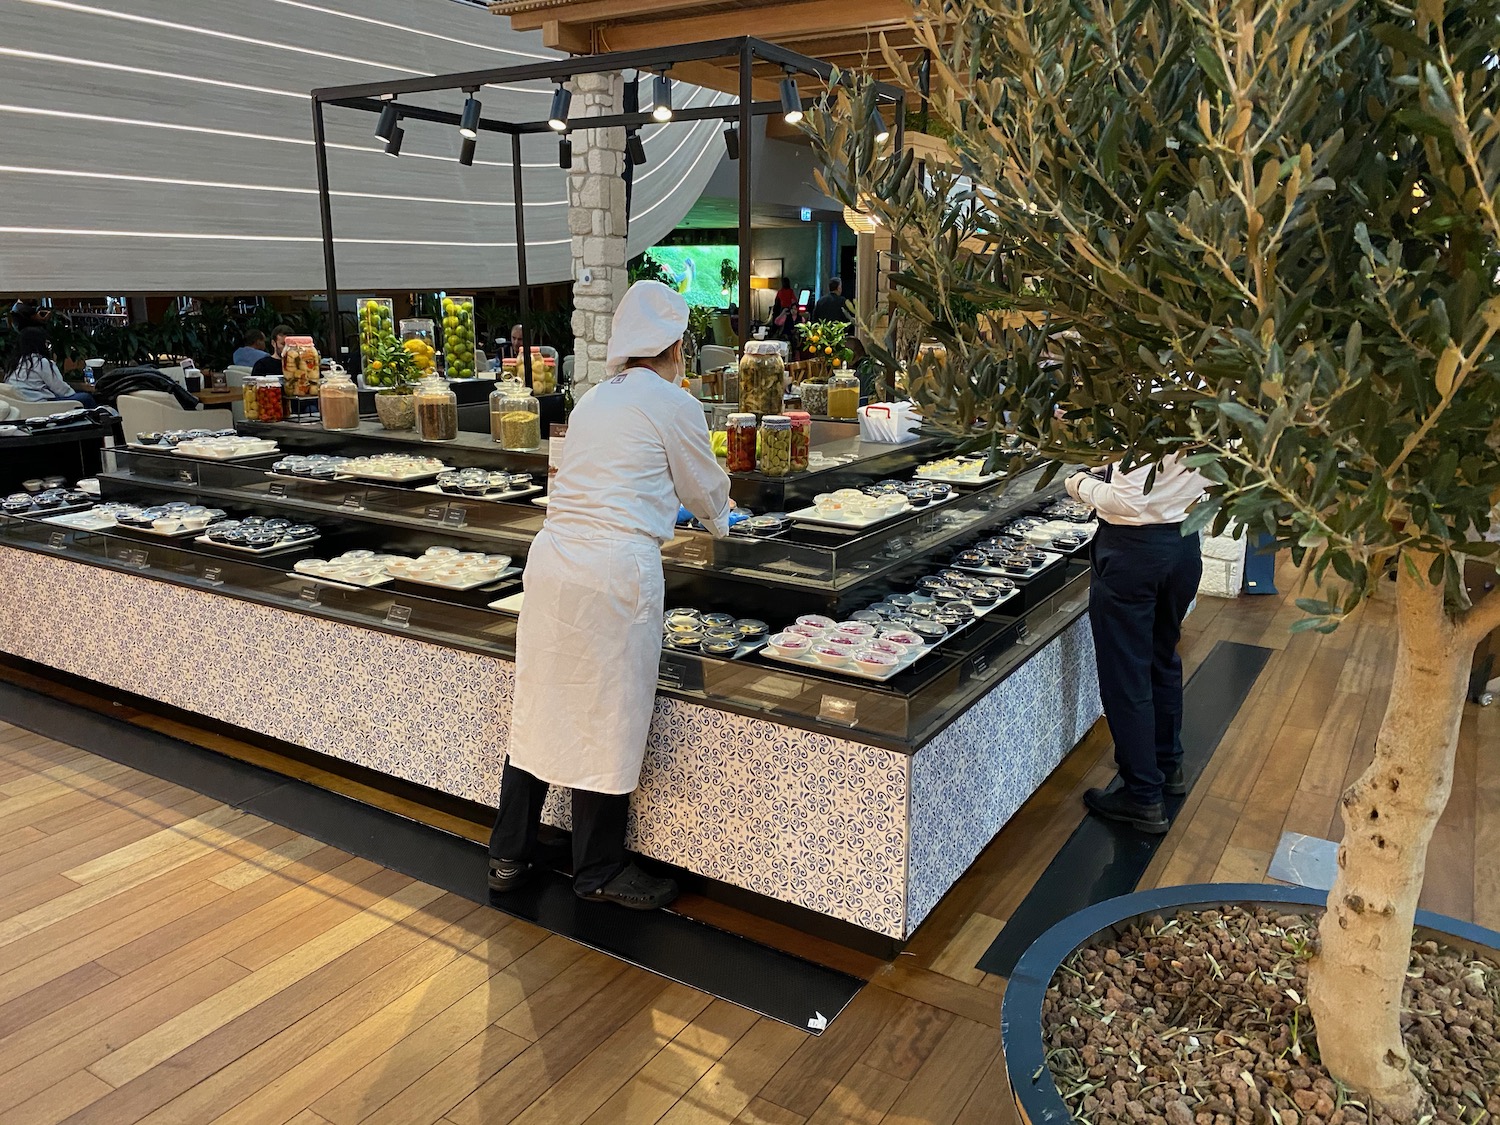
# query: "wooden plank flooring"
167 960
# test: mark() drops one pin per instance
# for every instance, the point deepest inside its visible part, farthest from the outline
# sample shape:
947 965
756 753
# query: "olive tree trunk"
1355 981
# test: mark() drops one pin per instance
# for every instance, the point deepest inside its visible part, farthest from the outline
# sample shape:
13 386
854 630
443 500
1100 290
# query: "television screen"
695 272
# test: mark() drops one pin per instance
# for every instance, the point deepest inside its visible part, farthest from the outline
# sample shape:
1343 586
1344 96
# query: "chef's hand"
1071 484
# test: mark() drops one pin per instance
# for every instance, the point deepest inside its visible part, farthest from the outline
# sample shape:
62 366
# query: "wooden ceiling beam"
784 23
528 15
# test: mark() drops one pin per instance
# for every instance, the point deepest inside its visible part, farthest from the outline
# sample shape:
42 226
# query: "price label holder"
276 489
213 575
355 500
696 550
188 474
398 616
979 666
681 673
309 594
58 541
837 709
434 512
1023 634
456 516
138 559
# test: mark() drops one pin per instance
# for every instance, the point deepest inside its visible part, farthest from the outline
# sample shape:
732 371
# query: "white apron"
587 651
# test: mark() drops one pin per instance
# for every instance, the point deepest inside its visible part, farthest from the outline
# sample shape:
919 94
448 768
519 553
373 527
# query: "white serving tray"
850 670
848 523
86 520
274 549
508 572
226 456
346 583
745 649
185 533
510 603
493 497
383 478
995 572
969 482
139 448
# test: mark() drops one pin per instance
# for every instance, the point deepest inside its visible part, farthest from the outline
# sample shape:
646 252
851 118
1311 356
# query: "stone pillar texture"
596 221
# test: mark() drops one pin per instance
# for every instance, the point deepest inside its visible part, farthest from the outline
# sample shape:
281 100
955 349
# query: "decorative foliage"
392 368
825 339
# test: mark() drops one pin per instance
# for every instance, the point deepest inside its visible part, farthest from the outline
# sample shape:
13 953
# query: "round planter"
396 412
1037 1099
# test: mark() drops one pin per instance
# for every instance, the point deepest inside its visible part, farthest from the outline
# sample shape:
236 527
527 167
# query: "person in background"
32 372
1145 578
785 314
278 339
832 306
786 296
252 347
516 341
589 639
28 314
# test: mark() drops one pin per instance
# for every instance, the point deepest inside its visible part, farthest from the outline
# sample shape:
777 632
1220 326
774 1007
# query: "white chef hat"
651 318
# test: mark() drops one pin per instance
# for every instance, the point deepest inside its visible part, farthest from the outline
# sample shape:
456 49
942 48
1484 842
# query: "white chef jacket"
1122 499
588 643
636 446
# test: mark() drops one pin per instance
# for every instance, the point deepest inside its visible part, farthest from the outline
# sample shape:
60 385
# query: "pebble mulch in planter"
1201 1020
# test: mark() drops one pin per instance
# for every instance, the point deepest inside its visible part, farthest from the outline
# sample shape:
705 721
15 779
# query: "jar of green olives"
776 445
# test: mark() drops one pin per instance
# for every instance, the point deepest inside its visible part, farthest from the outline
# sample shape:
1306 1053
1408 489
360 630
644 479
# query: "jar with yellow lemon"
419 340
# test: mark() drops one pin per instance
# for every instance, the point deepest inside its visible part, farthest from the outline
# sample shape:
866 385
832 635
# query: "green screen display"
695 271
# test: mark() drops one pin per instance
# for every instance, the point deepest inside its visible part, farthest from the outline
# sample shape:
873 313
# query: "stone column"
596 221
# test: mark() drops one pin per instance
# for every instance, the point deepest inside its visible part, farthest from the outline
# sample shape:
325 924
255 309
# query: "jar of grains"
515 418
436 408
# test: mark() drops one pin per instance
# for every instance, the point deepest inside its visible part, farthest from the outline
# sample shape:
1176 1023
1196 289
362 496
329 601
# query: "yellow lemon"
376 365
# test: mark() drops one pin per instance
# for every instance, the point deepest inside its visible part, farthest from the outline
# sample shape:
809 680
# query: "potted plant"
393 372
1269 238
825 342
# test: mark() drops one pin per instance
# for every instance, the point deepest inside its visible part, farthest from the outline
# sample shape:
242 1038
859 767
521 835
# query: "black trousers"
598 827
1145 578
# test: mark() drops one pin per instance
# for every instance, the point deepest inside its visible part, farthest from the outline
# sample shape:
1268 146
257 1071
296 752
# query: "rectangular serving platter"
226 457
346 583
385 478
1053 559
508 572
82 520
492 497
847 523
274 549
745 649
60 510
849 670
184 533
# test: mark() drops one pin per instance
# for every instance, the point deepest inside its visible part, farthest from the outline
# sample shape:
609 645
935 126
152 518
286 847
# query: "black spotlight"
661 98
635 150
564 153
791 100
882 130
388 121
468 125
466 151
393 146
732 142
562 99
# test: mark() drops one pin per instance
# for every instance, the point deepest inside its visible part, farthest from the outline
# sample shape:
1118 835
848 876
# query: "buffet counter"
857 801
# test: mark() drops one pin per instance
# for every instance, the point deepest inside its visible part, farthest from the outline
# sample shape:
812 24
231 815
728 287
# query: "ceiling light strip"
86 232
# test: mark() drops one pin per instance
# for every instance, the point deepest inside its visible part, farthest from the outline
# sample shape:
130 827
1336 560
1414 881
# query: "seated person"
31 372
252 347
266 366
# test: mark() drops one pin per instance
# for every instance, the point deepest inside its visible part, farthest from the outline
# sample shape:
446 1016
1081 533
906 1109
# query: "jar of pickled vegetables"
843 396
270 405
436 408
300 366
515 418
543 374
815 398
248 400
739 444
762 378
801 422
776 445
338 401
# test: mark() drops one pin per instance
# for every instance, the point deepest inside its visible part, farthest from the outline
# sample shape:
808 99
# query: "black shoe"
632 887
1116 805
1176 783
508 874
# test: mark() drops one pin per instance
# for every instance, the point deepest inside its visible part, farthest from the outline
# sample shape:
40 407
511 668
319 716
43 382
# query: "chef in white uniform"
589 639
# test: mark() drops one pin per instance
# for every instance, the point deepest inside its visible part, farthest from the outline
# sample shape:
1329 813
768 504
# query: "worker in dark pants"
1145 578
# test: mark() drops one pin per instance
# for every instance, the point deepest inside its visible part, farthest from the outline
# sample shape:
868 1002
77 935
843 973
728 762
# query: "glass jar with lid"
338 401
515 418
436 408
300 366
739 443
762 377
801 422
815 398
270 405
419 339
776 445
458 336
843 396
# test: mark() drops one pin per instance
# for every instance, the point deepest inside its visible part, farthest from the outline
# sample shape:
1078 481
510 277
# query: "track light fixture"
732 142
635 149
468 125
388 121
562 100
882 130
565 153
791 99
466 151
393 146
661 98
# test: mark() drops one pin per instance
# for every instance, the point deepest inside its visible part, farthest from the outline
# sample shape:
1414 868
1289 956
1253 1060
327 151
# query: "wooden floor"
164 958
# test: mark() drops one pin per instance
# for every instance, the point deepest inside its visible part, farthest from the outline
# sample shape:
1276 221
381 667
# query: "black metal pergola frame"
373 97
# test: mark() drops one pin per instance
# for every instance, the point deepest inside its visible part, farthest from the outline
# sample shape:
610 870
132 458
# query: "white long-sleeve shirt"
1121 498
637 446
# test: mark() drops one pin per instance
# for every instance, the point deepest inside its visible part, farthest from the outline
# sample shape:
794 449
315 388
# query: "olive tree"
1263 235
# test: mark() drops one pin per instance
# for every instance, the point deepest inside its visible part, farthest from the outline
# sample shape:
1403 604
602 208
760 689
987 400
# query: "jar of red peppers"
739 433
270 406
801 439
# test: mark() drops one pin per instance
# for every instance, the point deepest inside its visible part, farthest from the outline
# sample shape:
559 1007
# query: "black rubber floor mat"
765 980
1102 859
